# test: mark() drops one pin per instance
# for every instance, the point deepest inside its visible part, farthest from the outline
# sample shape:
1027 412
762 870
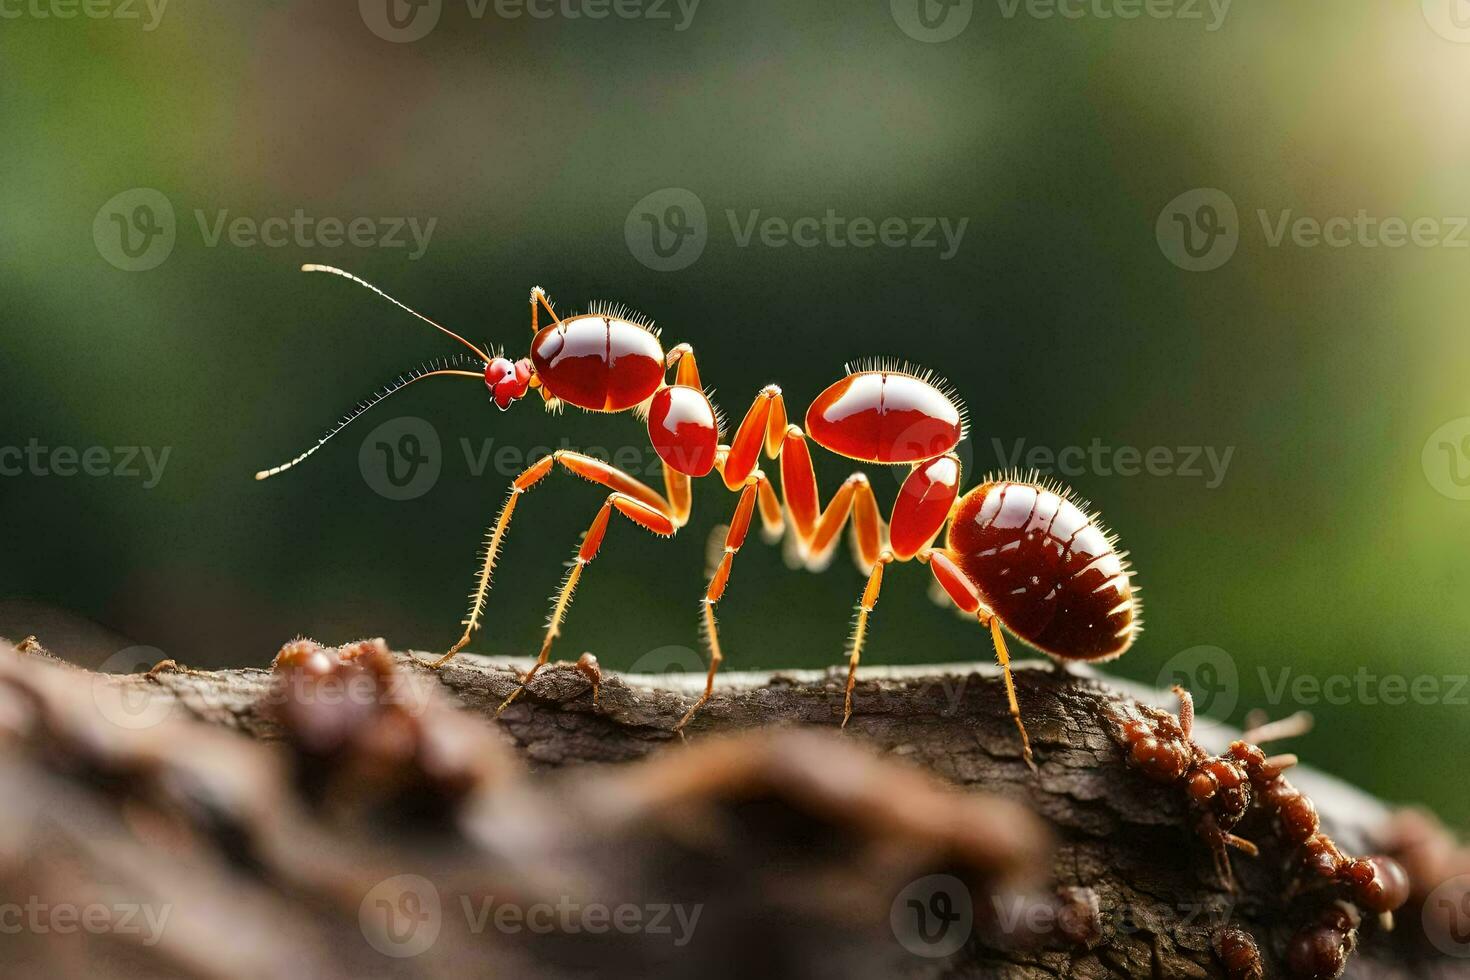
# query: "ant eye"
507 379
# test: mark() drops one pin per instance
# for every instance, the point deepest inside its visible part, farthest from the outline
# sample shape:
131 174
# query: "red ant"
1018 554
1221 789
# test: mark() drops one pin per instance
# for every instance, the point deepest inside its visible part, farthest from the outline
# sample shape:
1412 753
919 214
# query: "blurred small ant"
1218 787
1019 553
1221 790
1239 953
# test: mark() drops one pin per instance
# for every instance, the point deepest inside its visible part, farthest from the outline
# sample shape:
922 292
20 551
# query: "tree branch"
271 850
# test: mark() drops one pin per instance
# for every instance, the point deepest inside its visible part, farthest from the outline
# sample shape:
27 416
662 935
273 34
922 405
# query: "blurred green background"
1336 377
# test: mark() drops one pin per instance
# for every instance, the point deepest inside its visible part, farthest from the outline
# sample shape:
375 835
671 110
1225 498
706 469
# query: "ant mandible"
1019 553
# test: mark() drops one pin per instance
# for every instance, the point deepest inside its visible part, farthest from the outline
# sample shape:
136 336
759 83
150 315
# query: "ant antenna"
430 369
311 267
1283 728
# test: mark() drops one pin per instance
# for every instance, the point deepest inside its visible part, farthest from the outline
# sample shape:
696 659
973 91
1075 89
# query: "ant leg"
1218 842
815 529
1283 728
772 522
734 539
860 629
854 497
539 298
1242 845
957 586
988 618
677 485
581 465
532 475
799 488
1186 710
764 424
687 373
679 491
649 518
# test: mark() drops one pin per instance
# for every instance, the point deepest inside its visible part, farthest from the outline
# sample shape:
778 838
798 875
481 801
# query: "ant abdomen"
1163 758
1047 567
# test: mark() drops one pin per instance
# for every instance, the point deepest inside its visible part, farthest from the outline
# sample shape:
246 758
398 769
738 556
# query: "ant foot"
689 715
453 652
1026 745
525 681
511 698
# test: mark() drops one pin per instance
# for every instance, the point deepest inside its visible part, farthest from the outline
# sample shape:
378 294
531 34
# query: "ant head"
507 379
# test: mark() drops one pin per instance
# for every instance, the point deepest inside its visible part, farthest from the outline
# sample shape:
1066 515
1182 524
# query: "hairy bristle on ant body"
1020 555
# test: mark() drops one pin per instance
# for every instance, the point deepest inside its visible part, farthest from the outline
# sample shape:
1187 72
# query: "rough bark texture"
272 860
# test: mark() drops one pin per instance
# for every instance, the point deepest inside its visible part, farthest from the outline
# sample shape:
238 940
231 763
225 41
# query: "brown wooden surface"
177 789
